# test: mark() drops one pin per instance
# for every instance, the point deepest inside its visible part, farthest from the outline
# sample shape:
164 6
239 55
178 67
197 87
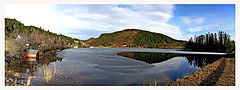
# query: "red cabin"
86 44
30 53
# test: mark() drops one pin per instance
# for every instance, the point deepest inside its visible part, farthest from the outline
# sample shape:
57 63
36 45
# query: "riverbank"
106 55
161 47
219 73
13 74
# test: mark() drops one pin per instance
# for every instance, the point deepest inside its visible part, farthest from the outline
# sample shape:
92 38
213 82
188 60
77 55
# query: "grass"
49 73
156 82
13 47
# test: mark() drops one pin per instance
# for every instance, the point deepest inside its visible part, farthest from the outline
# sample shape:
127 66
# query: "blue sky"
180 21
213 18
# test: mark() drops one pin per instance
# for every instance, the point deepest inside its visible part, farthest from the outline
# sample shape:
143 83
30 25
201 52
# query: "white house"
18 37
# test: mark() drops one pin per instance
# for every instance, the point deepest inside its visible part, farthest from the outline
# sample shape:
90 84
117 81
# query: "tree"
211 42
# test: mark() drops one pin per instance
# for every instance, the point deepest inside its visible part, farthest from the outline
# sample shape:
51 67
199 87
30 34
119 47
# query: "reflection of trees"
201 60
44 60
149 57
156 57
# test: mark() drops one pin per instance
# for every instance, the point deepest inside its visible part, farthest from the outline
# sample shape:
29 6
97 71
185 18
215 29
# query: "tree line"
14 26
211 42
17 35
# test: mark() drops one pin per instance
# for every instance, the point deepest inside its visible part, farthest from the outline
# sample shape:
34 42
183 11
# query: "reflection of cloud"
125 69
102 67
184 69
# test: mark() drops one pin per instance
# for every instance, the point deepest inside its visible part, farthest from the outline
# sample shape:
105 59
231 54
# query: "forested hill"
135 38
17 35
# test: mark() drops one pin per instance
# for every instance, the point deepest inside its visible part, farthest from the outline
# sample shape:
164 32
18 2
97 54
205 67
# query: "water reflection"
33 64
201 60
101 67
125 69
149 57
195 60
26 68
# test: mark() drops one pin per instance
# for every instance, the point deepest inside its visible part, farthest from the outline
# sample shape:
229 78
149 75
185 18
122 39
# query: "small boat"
30 53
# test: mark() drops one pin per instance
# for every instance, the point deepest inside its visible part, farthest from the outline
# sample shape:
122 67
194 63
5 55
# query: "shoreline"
14 79
219 73
199 78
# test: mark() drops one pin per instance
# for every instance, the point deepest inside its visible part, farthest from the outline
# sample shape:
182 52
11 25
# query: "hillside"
135 38
19 37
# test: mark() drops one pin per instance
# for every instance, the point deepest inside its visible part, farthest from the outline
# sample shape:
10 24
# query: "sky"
83 21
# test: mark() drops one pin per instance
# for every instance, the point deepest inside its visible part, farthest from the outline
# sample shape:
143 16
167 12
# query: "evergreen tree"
211 42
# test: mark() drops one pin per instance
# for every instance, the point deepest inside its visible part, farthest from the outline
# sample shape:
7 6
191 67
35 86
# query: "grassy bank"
219 73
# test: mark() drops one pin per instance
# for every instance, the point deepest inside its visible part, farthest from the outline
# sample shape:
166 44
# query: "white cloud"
227 27
196 29
37 15
233 38
186 37
90 18
206 27
199 20
188 21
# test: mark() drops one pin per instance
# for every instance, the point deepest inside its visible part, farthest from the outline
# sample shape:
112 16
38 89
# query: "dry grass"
13 47
49 73
156 82
48 76
219 73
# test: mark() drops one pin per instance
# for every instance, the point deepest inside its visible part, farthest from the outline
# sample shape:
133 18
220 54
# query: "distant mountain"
135 38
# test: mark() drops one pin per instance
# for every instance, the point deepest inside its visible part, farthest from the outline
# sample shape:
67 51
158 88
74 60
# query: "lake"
115 66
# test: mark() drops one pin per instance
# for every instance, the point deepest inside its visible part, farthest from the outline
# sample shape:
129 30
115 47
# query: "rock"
8 59
10 79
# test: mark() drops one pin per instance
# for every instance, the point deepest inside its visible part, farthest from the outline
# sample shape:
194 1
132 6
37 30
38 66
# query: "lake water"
115 66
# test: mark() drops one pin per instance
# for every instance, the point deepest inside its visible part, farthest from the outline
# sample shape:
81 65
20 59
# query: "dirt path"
219 73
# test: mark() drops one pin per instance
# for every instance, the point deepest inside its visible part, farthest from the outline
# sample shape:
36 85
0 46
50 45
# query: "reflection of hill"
149 57
156 57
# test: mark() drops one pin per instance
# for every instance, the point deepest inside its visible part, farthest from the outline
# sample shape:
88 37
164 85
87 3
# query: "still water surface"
116 66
